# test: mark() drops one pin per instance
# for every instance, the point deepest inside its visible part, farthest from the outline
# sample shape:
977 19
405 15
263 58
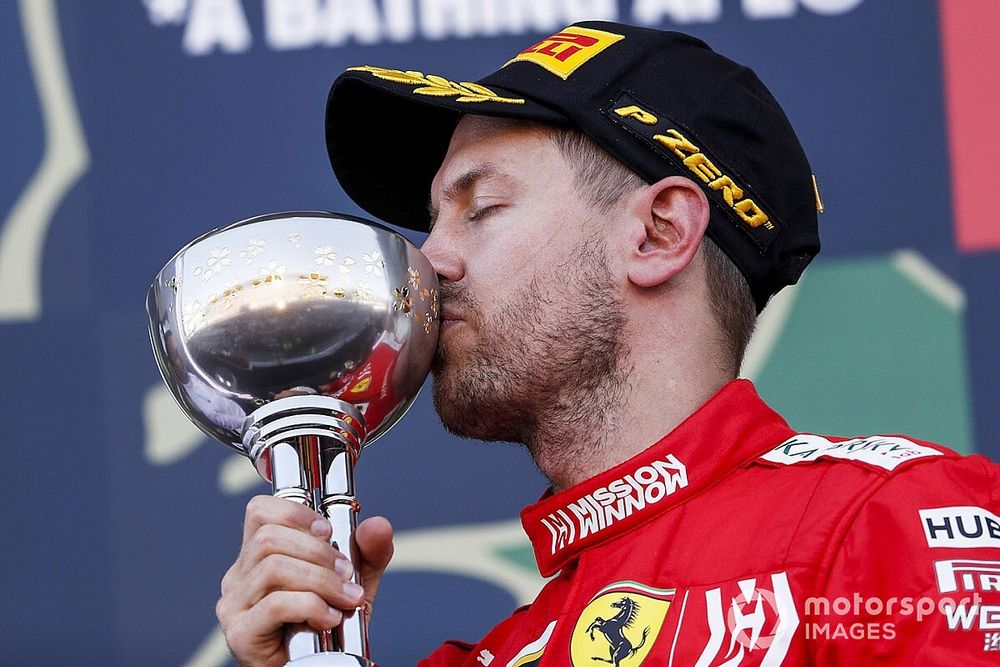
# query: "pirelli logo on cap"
681 147
564 52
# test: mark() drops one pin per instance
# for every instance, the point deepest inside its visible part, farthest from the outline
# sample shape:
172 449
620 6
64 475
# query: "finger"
276 539
279 572
263 510
237 593
374 540
279 608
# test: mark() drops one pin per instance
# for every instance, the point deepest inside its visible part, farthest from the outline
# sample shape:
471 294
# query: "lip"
450 319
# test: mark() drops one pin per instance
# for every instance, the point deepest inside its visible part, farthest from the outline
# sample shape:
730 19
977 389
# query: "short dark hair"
605 180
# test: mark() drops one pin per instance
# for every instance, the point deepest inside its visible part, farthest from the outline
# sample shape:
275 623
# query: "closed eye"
481 213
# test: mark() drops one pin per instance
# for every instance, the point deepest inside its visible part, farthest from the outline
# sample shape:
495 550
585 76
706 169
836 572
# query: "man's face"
531 313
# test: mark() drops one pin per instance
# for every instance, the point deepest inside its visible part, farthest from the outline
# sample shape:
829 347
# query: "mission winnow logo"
616 501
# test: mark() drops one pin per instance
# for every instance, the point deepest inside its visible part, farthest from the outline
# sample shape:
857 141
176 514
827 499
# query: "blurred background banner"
130 127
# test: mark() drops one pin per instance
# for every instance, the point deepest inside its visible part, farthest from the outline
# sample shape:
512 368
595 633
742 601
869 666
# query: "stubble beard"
548 367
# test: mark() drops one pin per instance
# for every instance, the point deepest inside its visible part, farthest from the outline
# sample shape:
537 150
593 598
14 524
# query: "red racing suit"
736 541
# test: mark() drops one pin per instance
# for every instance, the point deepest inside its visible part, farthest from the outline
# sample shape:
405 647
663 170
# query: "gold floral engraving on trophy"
325 255
254 248
413 277
231 293
362 293
374 263
218 258
272 272
402 300
314 285
430 317
192 316
437 86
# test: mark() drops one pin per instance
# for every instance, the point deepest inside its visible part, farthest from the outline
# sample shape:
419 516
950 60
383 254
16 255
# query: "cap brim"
386 139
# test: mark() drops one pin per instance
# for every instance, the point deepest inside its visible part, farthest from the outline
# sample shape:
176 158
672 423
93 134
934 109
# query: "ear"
670 218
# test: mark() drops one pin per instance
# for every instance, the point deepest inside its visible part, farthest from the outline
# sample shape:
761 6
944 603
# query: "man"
608 213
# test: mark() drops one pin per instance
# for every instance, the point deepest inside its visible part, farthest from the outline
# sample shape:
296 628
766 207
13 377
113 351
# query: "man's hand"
287 572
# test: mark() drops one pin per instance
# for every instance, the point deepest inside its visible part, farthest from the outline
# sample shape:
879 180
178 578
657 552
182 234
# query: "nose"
444 255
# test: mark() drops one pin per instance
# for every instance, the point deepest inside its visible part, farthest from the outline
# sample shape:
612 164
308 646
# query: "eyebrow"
461 185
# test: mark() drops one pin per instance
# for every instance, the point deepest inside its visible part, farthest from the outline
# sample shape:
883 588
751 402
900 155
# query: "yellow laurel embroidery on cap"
640 115
431 84
565 51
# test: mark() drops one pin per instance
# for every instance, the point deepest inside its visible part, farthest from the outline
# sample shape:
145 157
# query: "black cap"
663 103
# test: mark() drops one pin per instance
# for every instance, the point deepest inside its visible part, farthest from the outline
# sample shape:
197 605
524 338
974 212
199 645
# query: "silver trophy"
297 339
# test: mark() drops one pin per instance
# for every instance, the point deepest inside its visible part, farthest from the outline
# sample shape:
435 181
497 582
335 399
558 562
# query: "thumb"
374 540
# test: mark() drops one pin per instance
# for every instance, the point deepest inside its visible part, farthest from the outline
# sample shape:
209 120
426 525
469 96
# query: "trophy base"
331 660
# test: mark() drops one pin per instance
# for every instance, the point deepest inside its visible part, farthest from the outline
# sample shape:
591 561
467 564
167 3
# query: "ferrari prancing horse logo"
619 625
613 630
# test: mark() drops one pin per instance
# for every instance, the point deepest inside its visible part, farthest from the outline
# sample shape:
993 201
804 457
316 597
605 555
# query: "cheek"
497 260
521 244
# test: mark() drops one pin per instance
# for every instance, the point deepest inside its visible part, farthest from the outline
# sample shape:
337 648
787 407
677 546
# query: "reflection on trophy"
298 339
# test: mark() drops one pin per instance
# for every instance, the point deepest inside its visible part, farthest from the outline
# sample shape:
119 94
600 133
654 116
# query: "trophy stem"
307 446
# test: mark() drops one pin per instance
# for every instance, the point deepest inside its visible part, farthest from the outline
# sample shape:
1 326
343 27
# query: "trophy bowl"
291 303
298 339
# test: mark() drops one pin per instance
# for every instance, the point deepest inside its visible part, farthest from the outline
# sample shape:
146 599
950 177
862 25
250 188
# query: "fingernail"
352 590
335 614
319 527
343 568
